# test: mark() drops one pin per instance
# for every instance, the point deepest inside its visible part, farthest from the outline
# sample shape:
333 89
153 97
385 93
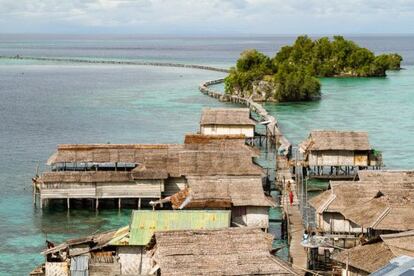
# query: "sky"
207 17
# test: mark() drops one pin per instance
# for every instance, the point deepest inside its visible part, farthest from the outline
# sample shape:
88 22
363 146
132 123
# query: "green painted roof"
145 222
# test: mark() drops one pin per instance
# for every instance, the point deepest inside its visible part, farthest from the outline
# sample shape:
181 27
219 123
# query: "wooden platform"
295 228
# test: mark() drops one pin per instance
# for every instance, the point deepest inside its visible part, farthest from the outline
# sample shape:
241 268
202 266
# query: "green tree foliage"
294 68
252 65
389 61
295 84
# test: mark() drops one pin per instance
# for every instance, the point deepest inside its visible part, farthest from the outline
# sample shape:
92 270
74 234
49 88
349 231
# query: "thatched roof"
368 258
222 157
219 143
203 139
386 175
208 162
320 200
226 116
218 192
112 153
231 251
343 194
371 257
400 243
397 219
335 140
375 204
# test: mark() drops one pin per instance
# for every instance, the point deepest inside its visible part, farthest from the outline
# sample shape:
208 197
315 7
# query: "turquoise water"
46 104
43 104
384 107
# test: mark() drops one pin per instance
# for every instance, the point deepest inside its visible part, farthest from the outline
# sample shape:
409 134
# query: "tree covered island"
292 74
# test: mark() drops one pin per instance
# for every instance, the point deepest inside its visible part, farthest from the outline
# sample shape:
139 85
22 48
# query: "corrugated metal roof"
402 265
145 222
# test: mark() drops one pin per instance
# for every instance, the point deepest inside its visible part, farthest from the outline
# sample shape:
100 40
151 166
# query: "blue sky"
207 16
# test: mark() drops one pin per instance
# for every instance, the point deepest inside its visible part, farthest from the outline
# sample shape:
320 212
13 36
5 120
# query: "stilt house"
338 154
232 251
137 171
225 121
369 207
123 251
243 195
370 257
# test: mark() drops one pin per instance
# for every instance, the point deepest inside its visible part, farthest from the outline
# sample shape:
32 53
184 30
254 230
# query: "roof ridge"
381 217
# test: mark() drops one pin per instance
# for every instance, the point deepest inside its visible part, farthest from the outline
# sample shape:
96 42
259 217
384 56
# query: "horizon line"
198 35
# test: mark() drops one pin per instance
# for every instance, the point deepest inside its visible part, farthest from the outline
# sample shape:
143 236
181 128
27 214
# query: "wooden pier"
297 253
284 177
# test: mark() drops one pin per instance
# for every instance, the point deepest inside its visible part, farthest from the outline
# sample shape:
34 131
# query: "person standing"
291 197
305 236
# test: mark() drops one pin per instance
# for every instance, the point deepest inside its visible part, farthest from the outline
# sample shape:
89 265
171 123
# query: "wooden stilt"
68 203
34 195
119 203
96 203
139 203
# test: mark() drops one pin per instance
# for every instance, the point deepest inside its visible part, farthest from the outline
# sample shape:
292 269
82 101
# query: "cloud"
206 16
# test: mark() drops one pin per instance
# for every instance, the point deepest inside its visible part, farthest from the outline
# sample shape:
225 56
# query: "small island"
292 74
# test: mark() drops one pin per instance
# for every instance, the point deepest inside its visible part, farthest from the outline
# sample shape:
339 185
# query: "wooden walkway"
283 174
295 228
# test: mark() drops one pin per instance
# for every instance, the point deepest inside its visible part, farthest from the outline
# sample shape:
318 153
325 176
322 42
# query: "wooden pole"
119 203
34 194
97 203
347 264
68 202
139 203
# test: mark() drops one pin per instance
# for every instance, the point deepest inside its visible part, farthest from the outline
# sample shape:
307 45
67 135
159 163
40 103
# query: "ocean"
43 104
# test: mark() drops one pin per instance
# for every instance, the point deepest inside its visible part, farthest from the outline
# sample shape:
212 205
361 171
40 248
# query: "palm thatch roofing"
236 142
400 243
220 192
386 175
226 116
220 157
231 251
343 194
112 153
323 140
371 257
372 204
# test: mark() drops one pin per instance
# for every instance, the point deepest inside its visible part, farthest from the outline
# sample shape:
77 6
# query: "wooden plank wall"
138 189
